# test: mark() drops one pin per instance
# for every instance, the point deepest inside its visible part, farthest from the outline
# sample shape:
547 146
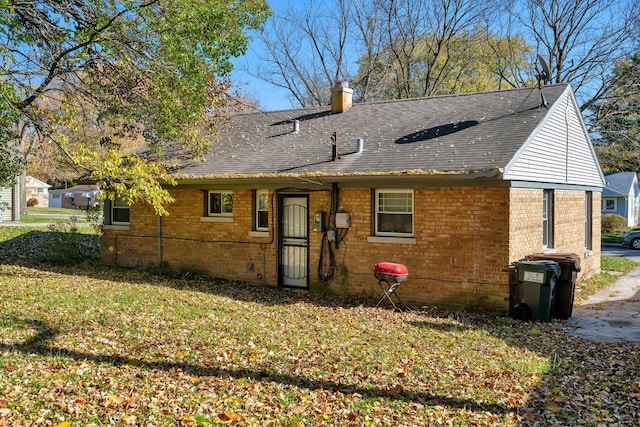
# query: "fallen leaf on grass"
229 416
402 371
395 390
115 400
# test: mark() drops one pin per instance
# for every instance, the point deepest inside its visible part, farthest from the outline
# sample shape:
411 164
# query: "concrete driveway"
613 314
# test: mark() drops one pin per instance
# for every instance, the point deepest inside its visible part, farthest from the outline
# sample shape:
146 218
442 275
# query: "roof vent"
296 126
360 146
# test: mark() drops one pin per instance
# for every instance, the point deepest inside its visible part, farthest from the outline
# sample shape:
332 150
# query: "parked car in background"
632 239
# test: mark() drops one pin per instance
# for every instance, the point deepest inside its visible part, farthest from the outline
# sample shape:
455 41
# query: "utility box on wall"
342 220
318 221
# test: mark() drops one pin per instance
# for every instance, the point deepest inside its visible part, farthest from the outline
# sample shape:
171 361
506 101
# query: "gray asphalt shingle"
444 134
619 183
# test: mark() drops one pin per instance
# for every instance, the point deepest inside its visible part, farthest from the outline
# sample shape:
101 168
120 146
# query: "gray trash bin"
535 289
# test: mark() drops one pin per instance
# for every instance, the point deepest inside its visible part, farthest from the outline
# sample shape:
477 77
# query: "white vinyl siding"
9 204
5 204
559 151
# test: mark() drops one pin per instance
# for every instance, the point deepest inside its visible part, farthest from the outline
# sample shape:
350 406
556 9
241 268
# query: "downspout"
334 198
159 240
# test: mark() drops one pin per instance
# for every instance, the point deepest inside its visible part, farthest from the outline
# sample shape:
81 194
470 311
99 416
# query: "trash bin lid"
543 266
566 260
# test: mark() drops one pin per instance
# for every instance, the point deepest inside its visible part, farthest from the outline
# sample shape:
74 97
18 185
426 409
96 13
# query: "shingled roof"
457 134
619 183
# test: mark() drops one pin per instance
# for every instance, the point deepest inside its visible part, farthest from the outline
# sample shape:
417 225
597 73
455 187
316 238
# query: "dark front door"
294 241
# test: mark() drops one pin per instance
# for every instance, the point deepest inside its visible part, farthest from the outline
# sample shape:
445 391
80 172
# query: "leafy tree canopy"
618 117
126 70
471 61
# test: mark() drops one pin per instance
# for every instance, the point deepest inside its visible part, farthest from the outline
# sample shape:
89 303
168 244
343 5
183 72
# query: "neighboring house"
456 188
78 197
38 190
10 203
621 196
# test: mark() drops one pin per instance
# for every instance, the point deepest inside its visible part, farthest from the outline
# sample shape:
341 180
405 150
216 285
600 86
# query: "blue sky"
271 98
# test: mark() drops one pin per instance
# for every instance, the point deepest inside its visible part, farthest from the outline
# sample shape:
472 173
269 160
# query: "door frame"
281 198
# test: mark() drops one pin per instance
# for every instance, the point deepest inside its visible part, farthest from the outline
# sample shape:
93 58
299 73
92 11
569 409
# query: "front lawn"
41 210
36 215
89 345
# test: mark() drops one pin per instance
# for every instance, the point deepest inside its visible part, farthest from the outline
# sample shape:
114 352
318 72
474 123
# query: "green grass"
93 345
36 210
38 219
612 263
610 266
616 235
36 215
611 238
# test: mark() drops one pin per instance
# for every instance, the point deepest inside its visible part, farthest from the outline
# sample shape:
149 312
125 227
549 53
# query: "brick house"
454 187
76 197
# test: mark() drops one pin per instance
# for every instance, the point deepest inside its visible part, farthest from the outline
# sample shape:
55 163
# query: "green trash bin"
565 284
535 289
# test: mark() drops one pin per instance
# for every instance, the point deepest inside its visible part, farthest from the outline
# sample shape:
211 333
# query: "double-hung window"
547 218
609 205
588 220
261 210
220 203
394 212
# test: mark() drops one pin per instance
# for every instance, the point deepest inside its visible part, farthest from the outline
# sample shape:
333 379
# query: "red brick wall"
465 239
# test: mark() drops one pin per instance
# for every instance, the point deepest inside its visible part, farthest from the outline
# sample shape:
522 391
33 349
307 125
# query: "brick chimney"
341 97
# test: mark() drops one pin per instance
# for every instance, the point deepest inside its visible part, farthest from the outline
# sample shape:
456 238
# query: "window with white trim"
220 203
120 212
609 205
394 212
262 210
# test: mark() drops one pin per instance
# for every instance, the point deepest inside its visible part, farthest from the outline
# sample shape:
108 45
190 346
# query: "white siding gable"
559 150
9 204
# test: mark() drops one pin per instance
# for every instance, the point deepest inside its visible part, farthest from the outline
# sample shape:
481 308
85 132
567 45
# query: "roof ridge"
404 100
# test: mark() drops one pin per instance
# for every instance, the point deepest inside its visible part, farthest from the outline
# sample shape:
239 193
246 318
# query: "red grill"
390 272
389 276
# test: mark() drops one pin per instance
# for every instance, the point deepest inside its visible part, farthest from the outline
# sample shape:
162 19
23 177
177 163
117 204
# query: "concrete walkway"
611 315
